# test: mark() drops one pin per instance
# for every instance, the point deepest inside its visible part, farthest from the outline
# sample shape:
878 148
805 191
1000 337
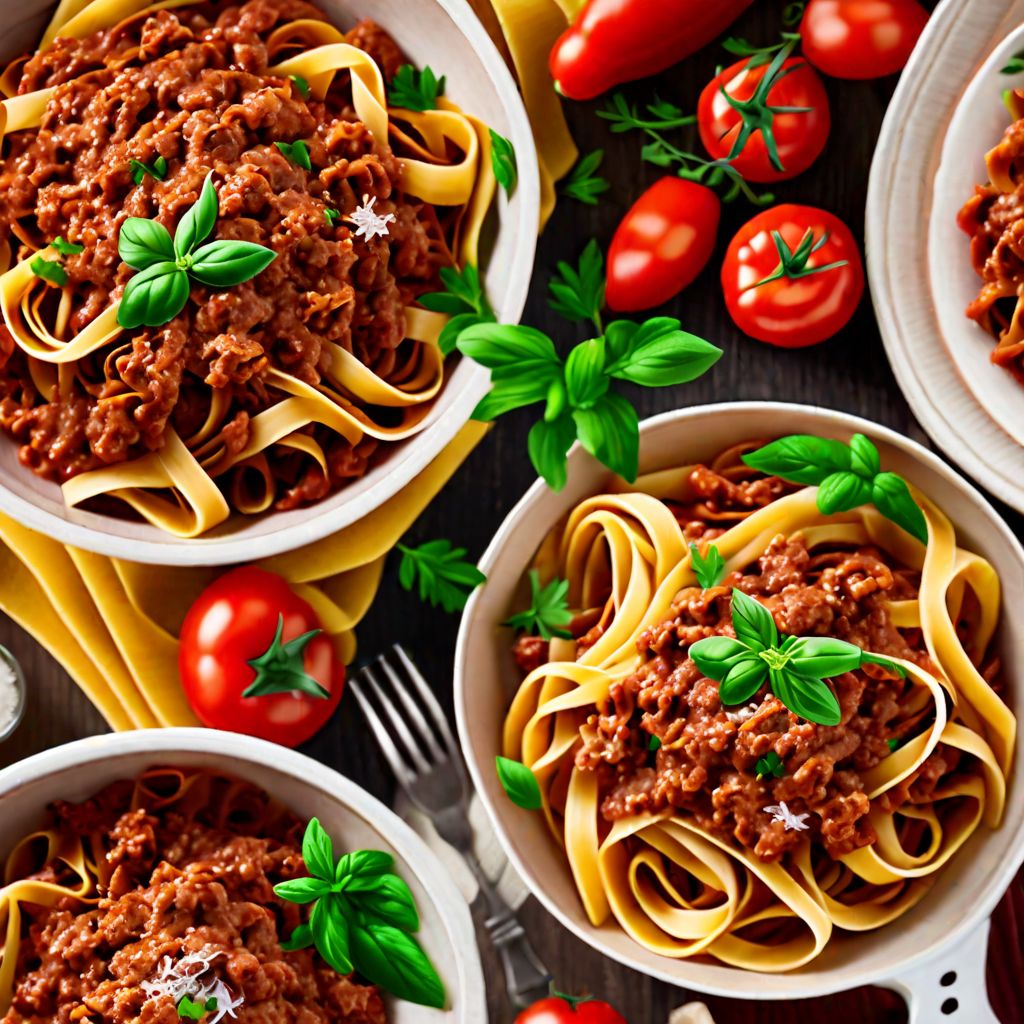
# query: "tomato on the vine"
769 120
792 276
566 1010
861 38
664 241
254 659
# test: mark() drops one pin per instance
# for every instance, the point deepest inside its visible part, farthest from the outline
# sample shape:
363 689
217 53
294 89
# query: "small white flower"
369 224
739 717
780 812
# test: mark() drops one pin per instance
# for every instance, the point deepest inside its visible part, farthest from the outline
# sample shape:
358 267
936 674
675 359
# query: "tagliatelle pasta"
348 391
683 841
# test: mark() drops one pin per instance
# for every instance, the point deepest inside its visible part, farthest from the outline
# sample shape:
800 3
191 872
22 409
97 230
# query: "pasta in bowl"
762 734
237 335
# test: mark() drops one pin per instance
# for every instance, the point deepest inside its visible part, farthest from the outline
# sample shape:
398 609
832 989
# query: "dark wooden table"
848 373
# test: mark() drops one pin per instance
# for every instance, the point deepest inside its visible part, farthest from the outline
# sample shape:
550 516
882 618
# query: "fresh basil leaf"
331 934
548 611
364 863
143 243
510 350
801 458
809 698
392 960
842 491
668 357
892 498
548 443
318 851
199 220
49 270
157 170
823 656
448 339
387 898
510 393
610 431
228 262
297 152
415 90
715 656
153 297
302 890
301 938
503 162
301 85
444 302
710 568
864 457
585 380
577 293
619 338
66 248
743 680
519 783
887 663
753 622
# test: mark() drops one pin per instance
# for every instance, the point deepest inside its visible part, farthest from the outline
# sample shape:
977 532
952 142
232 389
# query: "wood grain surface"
849 373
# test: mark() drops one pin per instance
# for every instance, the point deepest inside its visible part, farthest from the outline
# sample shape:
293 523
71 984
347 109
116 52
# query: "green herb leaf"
753 622
843 491
893 742
301 85
1014 66
415 90
503 162
625 117
301 938
821 656
743 680
331 215
578 293
548 612
887 663
519 783
228 262
66 248
318 850
444 577
511 350
585 380
198 221
157 170
302 890
508 394
548 443
610 431
393 960
660 354
802 458
809 698
864 457
583 183
153 297
363 864
143 243
654 743
297 152
49 270
190 1010
709 568
464 297
893 499
715 656
387 898
770 764
331 934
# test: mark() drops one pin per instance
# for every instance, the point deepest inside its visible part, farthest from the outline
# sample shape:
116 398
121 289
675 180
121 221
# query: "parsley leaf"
770 764
444 577
331 215
548 611
1015 65
301 85
463 299
578 293
297 152
189 1009
625 117
503 161
66 248
49 270
584 184
709 568
415 90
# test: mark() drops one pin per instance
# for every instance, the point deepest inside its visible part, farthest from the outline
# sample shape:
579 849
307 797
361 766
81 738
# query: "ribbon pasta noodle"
295 417
682 842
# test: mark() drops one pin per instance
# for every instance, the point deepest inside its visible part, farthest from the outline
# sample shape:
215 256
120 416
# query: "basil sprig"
847 476
548 613
167 266
519 783
297 152
362 919
708 568
796 667
463 300
503 162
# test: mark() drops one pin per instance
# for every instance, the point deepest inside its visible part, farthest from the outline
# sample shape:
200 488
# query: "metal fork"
418 744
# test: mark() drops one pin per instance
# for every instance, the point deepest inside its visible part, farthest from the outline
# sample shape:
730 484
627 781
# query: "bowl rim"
414 454
447 901
800 986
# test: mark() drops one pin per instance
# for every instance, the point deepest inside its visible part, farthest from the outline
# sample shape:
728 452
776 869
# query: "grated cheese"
193 976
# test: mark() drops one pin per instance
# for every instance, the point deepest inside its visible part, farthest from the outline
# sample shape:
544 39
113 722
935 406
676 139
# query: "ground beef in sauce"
191 85
178 885
706 762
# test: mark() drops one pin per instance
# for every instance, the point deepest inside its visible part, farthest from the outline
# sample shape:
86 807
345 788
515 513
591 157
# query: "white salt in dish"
12 693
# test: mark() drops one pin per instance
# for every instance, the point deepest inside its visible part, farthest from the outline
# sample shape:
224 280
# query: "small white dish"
9 725
355 819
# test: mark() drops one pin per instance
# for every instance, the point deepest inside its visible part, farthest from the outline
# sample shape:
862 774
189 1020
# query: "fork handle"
526 978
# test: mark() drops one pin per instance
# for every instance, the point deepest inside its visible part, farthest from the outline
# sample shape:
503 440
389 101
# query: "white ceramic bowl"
354 818
966 891
446 35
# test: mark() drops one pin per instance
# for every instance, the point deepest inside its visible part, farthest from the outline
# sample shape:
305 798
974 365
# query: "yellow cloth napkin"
113 624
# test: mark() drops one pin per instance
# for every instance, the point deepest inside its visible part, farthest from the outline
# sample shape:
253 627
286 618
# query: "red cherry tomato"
556 1010
861 38
250 614
772 146
801 298
662 244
